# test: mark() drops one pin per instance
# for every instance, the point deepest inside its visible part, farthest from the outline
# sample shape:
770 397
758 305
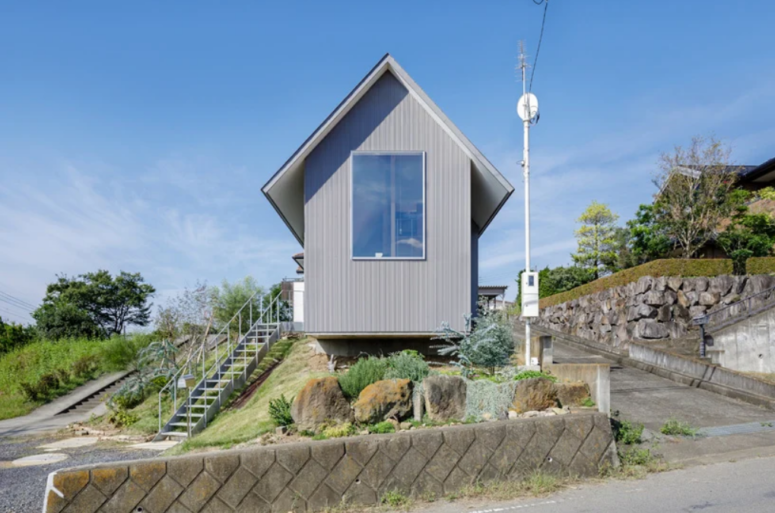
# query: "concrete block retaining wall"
651 308
311 476
596 375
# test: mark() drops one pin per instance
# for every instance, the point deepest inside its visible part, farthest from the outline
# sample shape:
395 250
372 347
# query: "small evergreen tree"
597 239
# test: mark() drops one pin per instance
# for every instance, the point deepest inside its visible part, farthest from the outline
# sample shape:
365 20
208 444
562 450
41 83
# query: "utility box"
530 294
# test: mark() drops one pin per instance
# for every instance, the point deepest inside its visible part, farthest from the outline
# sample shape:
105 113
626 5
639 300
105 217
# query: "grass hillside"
49 369
234 426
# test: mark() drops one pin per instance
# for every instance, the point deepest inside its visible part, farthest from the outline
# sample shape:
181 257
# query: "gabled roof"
285 190
761 173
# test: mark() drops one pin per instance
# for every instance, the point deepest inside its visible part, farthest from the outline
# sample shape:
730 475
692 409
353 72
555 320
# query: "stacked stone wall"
650 309
313 476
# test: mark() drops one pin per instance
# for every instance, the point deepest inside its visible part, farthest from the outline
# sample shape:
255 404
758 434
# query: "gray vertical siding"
347 296
474 267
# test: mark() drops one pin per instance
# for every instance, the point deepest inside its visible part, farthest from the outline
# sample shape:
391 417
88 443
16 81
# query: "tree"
230 297
597 250
747 235
188 315
694 193
647 237
94 305
14 335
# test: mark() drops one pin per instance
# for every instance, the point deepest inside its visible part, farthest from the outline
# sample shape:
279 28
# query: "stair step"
193 415
180 424
174 433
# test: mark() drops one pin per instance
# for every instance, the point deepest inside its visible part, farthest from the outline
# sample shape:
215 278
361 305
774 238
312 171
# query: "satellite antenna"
527 107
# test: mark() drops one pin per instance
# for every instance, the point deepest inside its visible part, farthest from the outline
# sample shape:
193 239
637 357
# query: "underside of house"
388 199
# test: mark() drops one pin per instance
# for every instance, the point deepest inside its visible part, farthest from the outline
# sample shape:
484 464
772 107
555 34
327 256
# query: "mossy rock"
321 401
387 399
534 394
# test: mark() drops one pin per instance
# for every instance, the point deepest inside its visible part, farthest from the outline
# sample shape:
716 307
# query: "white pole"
526 171
527 230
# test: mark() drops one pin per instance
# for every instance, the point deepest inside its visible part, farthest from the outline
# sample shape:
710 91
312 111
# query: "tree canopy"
597 241
94 305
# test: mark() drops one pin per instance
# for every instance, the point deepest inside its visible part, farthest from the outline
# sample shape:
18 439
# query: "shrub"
489 344
407 365
362 374
666 267
768 193
122 417
530 374
121 353
280 411
86 366
635 456
41 389
381 428
676 427
760 265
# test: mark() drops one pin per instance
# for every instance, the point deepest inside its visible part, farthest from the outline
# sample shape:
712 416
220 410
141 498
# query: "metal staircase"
218 368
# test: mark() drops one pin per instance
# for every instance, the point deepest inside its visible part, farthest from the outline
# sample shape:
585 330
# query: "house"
388 199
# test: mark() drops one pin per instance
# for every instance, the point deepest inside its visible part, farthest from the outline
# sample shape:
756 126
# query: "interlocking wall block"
313 476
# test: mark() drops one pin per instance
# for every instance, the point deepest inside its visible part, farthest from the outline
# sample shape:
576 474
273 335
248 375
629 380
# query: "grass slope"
234 426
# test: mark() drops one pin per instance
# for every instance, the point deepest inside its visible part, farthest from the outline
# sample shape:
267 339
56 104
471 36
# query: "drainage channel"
738 429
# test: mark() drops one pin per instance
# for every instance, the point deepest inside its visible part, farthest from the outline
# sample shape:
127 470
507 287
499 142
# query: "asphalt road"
744 486
21 488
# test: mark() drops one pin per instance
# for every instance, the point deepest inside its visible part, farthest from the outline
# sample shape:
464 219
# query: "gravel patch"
21 488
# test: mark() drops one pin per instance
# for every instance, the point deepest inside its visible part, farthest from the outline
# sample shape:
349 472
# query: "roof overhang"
285 190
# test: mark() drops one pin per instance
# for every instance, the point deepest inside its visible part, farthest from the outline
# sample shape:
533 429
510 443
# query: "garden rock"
445 397
709 298
387 399
652 329
572 394
534 394
320 401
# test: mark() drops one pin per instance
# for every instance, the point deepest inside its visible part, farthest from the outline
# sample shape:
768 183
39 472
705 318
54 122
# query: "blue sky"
137 138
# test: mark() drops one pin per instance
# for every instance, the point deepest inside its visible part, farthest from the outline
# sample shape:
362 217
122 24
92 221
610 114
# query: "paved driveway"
651 400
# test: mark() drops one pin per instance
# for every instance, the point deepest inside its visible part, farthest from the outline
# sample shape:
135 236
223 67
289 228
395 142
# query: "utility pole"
527 108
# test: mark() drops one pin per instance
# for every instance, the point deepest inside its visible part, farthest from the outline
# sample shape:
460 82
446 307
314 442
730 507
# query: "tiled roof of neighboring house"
492 290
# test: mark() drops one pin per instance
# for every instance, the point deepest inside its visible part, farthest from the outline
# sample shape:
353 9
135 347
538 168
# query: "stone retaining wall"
311 476
651 308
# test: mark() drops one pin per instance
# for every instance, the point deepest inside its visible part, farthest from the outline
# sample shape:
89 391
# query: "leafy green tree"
13 335
648 239
556 280
94 305
597 243
747 235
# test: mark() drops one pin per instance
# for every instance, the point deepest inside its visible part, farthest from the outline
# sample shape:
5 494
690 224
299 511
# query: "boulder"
651 329
688 285
445 397
654 298
709 298
660 284
757 284
663 314
670 297
742 281
701 284
320 401
643 285
683 299
697 311
681 312
572 394
722 284
534 394
387 399
674 283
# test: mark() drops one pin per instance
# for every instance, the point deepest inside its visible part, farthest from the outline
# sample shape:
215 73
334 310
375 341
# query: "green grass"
27 364
252 420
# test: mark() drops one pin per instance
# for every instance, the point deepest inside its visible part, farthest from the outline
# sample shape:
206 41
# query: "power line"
17 304
17 316
18 300
540 38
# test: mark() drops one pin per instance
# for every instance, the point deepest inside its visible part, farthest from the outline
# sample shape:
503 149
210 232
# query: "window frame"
424 204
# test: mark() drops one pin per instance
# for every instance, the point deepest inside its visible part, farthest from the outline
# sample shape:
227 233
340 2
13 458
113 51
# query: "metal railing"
733 313
197 362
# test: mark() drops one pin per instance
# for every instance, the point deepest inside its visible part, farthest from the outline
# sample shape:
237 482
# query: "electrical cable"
16 299
538 48
16 304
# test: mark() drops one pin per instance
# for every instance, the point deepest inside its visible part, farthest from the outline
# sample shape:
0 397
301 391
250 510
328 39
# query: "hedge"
760 265
655 269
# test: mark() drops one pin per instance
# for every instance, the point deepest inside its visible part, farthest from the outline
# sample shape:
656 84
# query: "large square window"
388 205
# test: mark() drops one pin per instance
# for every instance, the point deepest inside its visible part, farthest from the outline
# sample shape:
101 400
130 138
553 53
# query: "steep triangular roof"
285 190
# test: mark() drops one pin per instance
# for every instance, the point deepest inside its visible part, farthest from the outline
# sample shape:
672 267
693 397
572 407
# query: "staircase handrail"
706 320
264 315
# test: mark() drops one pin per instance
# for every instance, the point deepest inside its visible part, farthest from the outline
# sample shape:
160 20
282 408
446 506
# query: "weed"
122 418
677 428
588 402
625 432
766 424
85 367
320 436
362 374
530 374
339 431
280 411
382 428
394 499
